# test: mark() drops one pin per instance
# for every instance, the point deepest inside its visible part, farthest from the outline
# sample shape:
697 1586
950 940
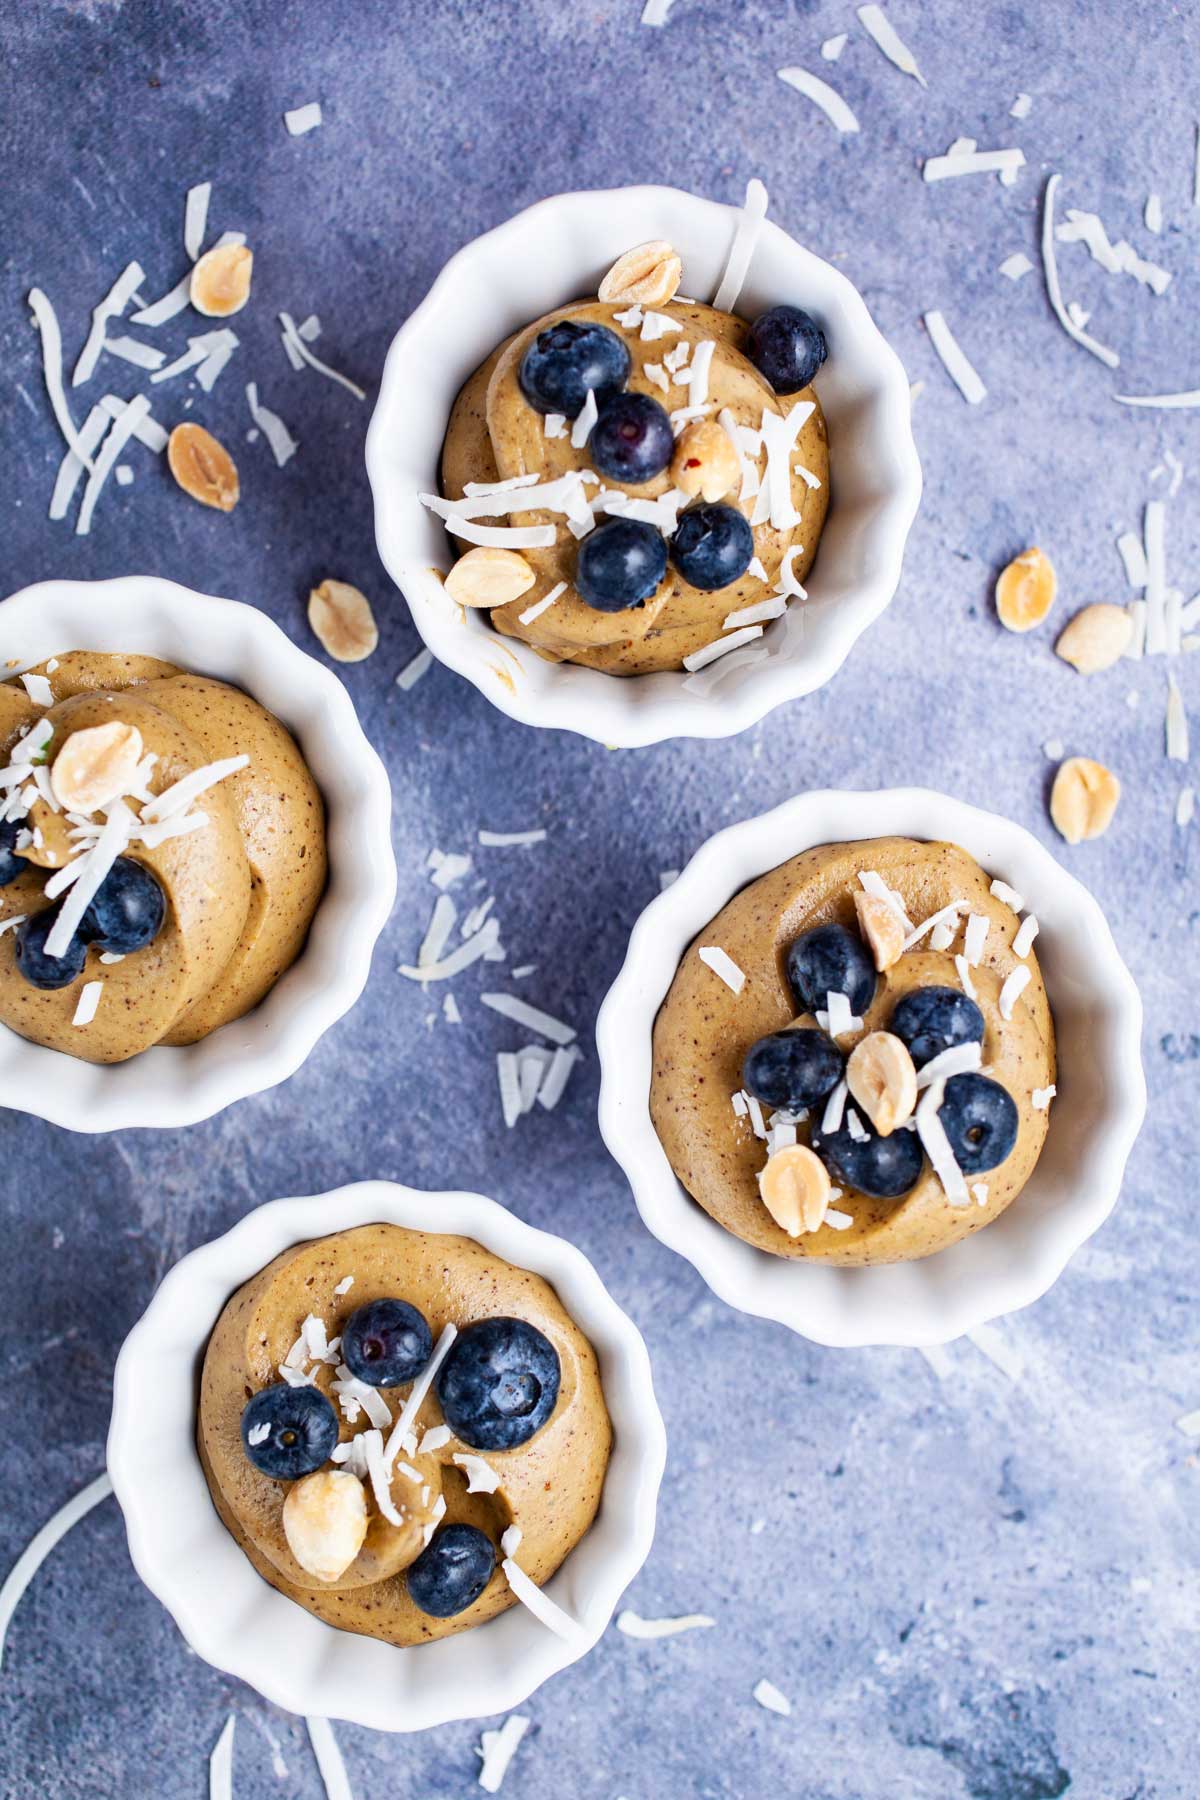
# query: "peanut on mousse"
875 1084
658 465
162 852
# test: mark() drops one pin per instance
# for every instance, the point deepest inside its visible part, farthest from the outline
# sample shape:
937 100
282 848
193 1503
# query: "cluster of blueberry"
125 914
621 562
498 1386
799 1067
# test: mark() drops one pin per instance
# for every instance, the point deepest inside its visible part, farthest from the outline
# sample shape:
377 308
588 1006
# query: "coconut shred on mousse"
855 1061
162 852
638 482
405 1434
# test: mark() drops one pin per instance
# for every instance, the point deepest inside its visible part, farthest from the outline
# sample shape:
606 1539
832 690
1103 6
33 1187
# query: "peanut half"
795 1189
1083 799
647 275
1095 638
1025 591
881 1077
341 617
94 766
882 927
220 282
705 461
202 467
486 576
325 1522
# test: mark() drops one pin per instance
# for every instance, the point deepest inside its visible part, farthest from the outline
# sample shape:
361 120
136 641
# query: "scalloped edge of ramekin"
1093 1122
541 258
167 1087
232 1617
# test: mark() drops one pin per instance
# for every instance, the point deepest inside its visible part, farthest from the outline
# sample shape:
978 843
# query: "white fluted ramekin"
1093 1121
552 253
169 1086
236 1620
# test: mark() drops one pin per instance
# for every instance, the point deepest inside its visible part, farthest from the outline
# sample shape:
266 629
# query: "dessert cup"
240 1624
554 252
173 1086
1093 1122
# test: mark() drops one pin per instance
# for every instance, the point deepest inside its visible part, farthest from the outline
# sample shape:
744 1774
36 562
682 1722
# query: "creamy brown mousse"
494 434
549 1487
704 1030
240 890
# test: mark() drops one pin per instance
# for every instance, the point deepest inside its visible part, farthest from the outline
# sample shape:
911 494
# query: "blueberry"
301 1429
792 1069
386 1342
713 545
830 960
620 564
126 911
40 970
452 1571
787 347
883 1167
567 359
499 1383
933 1019
980 1119
11 865
632 439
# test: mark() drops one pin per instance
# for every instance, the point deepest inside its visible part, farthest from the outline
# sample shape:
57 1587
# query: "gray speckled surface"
976 1587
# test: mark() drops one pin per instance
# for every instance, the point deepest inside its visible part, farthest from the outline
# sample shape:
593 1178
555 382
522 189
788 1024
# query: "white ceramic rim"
168 1087
232 1617
1098 1113
542 257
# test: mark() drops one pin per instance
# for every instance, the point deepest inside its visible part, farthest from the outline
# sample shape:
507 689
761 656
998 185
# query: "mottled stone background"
980 1583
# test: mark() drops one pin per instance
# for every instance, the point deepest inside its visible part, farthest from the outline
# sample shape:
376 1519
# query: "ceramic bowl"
1093 1121
231 1616
549 254
169 1086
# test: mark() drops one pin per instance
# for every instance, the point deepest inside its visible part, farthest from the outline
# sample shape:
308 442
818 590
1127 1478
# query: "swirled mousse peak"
405 1434
654 470
162 852
856 1061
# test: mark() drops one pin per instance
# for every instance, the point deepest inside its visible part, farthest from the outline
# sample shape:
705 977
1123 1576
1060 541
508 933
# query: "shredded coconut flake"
195 218
1014 986
1016 265
954 360
300 119
36 1552
89 1000
47 323
769 1696
1026 932
329 1760
292 335
282 444
497 1748
821 94
1054 288
1041 1097
585 419
936 1144
749 224
636 1627
1177 725
1007 896
972 162
723 966
539 1603
878 26
832 47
